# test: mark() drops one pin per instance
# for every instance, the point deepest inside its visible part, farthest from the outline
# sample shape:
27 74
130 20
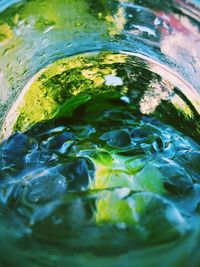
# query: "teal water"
100 138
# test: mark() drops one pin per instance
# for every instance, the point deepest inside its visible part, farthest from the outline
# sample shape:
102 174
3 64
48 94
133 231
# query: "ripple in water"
100 161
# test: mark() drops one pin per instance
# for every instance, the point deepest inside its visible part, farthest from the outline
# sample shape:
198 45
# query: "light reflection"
154 96
181 105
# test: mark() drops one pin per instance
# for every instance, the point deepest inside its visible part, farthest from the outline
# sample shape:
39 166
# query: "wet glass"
100 133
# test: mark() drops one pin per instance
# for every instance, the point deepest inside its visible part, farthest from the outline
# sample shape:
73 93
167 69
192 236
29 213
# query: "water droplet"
49 29
145 29
157 21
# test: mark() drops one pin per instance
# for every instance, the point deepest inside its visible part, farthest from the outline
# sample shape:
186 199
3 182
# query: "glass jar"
100 130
